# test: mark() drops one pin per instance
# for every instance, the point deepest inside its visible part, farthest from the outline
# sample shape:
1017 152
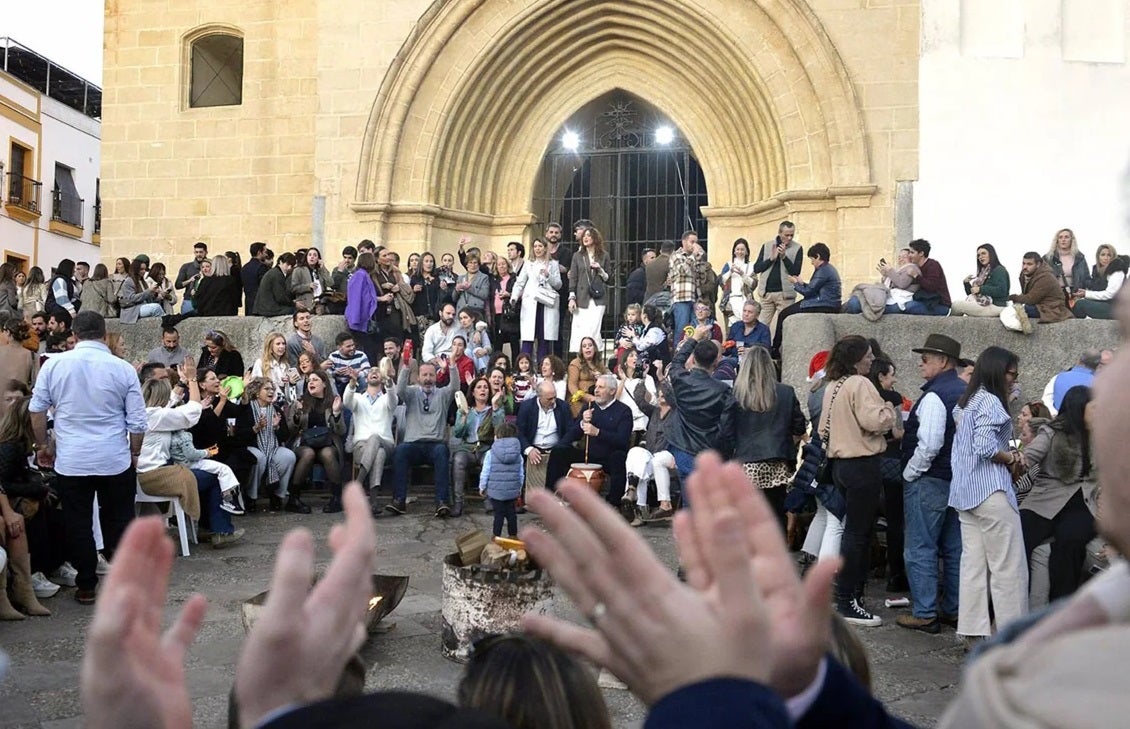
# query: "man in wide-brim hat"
932 528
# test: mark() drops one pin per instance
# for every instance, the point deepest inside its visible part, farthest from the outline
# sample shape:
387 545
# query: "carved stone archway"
467 110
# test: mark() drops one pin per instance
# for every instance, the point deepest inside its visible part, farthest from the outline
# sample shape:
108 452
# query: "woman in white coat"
537 288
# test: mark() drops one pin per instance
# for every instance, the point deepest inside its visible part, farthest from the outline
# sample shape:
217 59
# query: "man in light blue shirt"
100 422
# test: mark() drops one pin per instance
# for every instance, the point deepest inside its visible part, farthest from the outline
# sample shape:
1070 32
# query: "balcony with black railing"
98 218
66 208
23 195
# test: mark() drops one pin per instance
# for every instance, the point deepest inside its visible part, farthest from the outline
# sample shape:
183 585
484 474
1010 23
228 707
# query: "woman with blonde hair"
155 475
771 423
1068 264
1096 300
273 364
219 292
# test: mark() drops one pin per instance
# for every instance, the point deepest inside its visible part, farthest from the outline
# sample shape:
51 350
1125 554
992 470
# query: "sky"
69 32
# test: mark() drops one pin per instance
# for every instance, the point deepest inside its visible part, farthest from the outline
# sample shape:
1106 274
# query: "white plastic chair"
185 526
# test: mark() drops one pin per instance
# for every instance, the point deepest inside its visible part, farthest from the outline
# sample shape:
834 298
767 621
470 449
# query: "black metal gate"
634 176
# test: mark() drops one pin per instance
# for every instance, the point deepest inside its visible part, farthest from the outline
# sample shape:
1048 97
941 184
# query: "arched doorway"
621 163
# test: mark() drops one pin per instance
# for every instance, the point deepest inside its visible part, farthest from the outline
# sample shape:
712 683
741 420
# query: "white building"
1023 119
50 124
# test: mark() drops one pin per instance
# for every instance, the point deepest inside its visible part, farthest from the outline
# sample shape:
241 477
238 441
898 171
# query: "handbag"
597 288
318 436
545 296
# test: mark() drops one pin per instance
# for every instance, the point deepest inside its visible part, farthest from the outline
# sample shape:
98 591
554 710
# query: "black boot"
333 506
295 505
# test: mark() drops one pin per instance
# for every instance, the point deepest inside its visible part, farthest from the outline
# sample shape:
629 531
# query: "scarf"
265 439
1067 671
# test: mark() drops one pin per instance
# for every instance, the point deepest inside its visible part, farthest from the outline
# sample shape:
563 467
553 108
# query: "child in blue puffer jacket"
502 477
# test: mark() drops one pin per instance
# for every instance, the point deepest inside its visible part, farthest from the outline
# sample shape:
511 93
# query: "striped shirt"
983 429
359 362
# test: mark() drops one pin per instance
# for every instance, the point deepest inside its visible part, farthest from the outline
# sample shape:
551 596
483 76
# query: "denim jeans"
209 487
422 451
684 464
917 307
683 313
932 531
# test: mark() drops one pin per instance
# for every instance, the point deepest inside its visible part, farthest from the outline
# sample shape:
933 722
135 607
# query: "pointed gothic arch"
468 108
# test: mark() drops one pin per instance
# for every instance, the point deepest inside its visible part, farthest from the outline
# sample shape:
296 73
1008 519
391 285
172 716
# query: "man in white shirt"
438 337
932 527
542 422
373 440
100 423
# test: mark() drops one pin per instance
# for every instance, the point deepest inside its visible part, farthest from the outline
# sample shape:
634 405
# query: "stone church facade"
413 122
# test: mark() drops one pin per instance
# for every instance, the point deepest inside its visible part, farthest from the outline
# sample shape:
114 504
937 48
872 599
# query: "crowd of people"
500 378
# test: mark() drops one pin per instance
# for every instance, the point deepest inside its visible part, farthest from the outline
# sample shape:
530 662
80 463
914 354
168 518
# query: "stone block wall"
1048 350
248 333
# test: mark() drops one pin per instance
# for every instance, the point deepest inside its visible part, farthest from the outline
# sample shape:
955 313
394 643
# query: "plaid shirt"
682 277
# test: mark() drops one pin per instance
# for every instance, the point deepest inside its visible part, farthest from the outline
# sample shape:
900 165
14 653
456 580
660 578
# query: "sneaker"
854 613
443 511
230 503
64 576
219 540
43 587
926 625
396 506
103 567
85 597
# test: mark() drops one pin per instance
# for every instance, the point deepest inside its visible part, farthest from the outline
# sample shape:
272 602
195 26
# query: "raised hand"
304 637
132 673
799 613
689 635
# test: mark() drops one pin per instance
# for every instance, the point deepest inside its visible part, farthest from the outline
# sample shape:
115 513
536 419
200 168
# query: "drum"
590 473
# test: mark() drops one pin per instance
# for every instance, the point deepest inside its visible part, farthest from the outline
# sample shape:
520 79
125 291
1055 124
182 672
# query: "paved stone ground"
914 673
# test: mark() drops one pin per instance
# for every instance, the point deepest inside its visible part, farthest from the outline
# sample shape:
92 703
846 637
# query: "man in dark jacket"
932 527
273 297
251 275
1040 294
542 422
655 271
637 280
605 431
704 406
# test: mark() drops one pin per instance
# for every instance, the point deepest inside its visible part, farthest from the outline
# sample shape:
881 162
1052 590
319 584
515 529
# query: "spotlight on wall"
570 140
664 135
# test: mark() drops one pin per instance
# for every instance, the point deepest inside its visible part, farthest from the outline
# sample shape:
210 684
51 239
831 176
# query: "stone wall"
248 333
1049 349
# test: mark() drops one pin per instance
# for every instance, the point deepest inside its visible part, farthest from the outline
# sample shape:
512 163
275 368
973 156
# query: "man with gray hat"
932 527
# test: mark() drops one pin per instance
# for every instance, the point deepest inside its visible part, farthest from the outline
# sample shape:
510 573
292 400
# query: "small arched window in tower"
217 71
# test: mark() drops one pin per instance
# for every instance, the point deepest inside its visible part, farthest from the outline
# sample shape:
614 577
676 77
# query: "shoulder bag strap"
825 431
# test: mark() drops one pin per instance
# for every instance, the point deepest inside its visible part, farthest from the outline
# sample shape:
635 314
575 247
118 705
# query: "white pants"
222 471
586 323
97 526
993 562
824 534
284 462
648 467
970 308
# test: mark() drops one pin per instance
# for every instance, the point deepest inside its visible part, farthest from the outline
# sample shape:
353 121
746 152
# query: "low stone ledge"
1048 350
247 333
